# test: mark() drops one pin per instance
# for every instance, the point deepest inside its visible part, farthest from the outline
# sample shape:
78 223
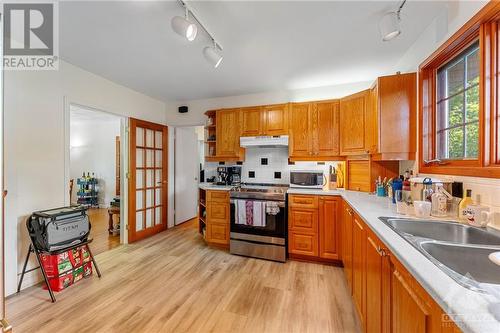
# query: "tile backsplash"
268 165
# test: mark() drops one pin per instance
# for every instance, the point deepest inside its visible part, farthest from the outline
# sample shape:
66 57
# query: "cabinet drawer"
303 244
219 196
305 220
218 233
303 201
218 212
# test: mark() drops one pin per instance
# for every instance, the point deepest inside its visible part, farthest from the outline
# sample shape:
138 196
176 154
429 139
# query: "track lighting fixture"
212 55
389 24
184 28
187 29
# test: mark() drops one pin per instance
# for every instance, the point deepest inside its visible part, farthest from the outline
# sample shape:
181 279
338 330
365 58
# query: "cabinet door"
325 129
409 312
275 119
353 126
358 175
251 121
300 143
373 321
228 133
358 269
397 114
347 243
329 228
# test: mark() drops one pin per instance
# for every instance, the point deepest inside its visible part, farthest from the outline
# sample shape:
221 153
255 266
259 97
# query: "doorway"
189 157
94 172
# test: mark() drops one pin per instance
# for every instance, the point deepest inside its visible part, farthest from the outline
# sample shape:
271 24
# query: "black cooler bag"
58 228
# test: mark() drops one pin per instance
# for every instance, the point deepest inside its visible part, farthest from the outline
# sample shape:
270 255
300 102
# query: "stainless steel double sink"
461 251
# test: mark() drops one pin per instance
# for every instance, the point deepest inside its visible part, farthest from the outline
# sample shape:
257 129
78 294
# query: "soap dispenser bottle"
462 207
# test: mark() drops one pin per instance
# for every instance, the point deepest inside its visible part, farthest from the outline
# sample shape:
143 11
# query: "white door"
187 163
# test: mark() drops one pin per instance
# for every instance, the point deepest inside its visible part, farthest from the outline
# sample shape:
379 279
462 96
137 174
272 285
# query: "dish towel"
272 208
250 212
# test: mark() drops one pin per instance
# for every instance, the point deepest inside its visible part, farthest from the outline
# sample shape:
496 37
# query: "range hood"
264 141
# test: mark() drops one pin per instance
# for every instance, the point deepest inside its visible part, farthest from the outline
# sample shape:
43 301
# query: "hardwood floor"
173 282
103 241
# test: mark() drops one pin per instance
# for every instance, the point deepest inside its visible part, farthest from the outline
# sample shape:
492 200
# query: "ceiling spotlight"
389 24
184 28
212 55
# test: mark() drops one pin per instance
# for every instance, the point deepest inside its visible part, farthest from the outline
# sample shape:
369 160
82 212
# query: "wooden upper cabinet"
300 141
228 134
325 128
275 119
394 99
354 126
251 121
329 228
314 131
381 121
267 120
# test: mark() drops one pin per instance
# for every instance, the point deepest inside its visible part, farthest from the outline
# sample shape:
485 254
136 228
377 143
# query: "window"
459 101
457 105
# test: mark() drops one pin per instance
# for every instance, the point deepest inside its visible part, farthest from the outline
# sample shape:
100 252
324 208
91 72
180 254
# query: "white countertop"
212 186
454 299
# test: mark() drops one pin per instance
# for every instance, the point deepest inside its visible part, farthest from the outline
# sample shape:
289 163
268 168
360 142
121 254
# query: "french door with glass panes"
148 179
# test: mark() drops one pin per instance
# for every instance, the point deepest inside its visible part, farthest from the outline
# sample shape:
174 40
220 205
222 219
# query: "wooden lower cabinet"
358 266
313 227
378 290
346 241
218 217
329 229
386 296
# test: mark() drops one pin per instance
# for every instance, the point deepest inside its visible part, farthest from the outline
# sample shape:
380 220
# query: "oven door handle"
281 204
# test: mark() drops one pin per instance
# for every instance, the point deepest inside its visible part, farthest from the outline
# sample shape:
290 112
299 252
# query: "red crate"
56 264
60 282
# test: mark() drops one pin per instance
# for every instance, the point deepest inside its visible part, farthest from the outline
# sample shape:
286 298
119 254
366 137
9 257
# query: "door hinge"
126 227
127 129
127 175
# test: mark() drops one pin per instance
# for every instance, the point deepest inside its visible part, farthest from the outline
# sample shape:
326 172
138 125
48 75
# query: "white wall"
93 149
34 142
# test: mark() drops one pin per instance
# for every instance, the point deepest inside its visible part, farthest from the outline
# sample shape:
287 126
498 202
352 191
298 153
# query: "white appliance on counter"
264 141
307 179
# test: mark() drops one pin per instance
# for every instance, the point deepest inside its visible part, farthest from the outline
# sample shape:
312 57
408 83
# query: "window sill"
485 172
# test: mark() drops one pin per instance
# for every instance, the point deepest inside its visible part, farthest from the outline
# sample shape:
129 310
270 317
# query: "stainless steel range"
259 221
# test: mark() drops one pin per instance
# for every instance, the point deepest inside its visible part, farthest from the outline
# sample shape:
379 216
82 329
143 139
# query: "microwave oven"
307 179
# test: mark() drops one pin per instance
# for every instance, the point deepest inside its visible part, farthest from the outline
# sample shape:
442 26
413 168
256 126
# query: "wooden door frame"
124 124
133 122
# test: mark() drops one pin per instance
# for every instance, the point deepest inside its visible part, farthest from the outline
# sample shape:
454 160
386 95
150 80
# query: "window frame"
483 27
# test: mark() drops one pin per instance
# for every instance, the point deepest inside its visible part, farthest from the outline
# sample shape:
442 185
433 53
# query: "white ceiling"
268 46
80 114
